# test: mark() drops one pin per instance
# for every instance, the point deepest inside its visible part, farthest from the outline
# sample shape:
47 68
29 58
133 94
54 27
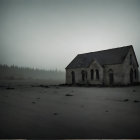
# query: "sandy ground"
28 110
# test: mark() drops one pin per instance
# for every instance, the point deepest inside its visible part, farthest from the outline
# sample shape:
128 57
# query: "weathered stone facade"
109 74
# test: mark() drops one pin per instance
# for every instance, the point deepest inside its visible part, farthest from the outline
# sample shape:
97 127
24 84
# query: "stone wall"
121 72
127 67
78 74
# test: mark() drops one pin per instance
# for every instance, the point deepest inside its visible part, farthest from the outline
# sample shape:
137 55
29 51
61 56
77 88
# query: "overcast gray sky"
50 33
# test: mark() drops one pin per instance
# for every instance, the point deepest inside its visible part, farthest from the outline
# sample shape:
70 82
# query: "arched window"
92 74
97 74
135 74
130 59
131 75
86 74
83 75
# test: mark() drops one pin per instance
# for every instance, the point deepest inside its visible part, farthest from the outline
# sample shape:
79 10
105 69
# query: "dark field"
34 109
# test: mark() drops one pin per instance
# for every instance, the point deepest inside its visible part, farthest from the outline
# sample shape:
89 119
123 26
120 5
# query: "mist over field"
24 73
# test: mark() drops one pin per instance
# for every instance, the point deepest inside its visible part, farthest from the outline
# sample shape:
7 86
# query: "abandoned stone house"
117 66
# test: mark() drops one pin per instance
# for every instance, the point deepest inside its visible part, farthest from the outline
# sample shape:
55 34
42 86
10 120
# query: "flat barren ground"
37 110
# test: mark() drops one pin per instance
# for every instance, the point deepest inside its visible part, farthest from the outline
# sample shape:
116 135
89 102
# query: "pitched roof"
104 57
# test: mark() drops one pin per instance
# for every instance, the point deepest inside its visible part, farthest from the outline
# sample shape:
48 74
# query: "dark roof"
105 57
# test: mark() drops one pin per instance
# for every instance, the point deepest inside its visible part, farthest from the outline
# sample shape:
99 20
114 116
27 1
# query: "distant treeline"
15 72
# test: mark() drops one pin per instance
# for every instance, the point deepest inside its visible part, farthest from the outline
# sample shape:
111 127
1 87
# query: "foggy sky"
50 33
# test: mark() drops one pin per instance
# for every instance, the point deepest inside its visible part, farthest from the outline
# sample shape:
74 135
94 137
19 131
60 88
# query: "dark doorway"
131 76
111 78
73 77
97 74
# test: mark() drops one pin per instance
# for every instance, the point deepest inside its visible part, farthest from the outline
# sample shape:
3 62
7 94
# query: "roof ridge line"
107 49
